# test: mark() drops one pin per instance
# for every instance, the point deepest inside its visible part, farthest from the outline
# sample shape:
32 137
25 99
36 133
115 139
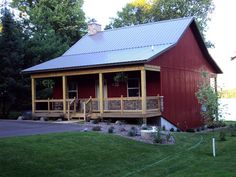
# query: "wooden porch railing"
69 104
89 105
87 108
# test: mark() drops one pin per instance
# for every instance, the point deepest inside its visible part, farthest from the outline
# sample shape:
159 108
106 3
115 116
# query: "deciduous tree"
144 11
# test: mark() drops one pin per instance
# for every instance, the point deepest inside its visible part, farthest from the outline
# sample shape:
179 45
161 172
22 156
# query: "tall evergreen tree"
12 86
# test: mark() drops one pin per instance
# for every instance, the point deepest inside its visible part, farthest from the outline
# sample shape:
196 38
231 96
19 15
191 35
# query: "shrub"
172 129
190 130
95 121
164 128
232 130
14 115
144 127
216 124
96 128
111 129
157 137
109 121
222 136
198 129
233 133
178 130
132 131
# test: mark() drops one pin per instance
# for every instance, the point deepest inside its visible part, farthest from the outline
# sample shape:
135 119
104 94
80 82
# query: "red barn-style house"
141 71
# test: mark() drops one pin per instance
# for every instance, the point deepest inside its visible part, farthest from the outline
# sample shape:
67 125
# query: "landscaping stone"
148 134
20 118
42 119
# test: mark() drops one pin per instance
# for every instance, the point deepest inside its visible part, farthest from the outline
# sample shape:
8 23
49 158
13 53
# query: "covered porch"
91 94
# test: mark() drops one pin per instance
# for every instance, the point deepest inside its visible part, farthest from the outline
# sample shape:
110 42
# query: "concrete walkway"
10 128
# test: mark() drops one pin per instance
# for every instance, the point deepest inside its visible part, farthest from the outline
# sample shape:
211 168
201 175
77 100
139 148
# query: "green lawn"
95 154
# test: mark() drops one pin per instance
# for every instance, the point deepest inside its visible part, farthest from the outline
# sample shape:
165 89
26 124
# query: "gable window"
72 90
133 87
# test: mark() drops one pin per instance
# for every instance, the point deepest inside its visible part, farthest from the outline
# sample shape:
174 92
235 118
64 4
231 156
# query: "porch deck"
120 107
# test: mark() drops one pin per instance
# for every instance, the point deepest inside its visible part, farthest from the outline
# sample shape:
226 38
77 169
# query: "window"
72 90
133 87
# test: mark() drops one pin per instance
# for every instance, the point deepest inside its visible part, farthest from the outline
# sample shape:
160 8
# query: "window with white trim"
133 88
72 90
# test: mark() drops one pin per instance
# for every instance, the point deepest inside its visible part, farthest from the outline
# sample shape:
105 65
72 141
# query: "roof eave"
83 67
204 48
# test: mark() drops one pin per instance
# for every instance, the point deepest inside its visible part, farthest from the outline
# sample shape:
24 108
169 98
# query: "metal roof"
118 46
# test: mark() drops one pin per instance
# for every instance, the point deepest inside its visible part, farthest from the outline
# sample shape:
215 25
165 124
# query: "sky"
221 31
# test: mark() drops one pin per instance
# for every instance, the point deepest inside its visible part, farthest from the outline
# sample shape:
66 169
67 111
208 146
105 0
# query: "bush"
172 129
95 121
96 128
222 136
216 124
164 128
232 130
178 130
144 127
14 115
111 129
132 131
157 137
190 130
233 133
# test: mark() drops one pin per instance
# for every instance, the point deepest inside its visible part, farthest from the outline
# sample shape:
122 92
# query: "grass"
91 154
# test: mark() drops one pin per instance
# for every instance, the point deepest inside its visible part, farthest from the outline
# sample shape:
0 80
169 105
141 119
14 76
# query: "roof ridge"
149 23
128 48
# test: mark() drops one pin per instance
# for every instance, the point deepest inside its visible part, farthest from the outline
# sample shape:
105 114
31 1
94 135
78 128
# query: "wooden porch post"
101 92
64 90
33 92
143 91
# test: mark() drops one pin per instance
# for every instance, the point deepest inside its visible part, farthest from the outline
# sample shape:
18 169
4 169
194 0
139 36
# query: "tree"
12 85
144 11
208 99
53 26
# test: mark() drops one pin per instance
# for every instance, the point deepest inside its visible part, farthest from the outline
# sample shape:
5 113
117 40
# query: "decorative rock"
59 119
42 119
147 134
85 130
118 122
144 127
20 118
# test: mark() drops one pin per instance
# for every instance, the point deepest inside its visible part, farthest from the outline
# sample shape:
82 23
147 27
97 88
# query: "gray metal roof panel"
121 45
99 58
164 32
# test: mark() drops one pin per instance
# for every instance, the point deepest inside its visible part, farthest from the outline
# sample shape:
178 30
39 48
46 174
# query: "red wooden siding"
153 83
180 73
115 90
86 86
57 89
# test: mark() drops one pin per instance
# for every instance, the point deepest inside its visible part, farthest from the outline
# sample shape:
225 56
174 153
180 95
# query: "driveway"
10 128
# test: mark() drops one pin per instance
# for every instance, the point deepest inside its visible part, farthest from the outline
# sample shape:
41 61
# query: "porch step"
81 115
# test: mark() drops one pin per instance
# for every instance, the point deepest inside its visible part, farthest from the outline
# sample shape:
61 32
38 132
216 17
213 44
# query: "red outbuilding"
142 71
